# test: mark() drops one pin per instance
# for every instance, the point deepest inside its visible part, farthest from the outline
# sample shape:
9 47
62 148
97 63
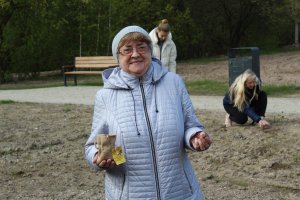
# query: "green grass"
208 87
67 108
53 81
203 87
197 87
281 90
297 158
6 102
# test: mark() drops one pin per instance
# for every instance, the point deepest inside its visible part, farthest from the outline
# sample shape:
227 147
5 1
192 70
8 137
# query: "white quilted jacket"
168 54
153 119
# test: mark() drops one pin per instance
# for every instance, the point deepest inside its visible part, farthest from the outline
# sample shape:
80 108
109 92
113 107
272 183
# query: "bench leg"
65 80
75 79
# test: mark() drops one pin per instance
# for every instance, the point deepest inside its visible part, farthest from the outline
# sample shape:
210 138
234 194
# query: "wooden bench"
88 65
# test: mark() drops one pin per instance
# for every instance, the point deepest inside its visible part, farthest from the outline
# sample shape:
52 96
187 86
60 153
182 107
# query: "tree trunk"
98 33
296 33
109 29
5 16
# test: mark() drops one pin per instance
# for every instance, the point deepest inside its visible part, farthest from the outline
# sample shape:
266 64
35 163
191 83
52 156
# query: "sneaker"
228 122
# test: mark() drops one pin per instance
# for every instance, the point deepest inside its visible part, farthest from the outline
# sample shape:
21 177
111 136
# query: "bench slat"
95 58
96 61
84 72
95 65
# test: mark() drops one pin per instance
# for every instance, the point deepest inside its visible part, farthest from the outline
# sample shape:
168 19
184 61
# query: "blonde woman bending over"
246 99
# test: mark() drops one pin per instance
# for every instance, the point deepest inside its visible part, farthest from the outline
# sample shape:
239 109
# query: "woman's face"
135 57
162 35
250 83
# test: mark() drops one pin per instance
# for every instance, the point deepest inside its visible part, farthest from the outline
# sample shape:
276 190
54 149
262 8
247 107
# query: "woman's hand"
263 123
201 141
107 163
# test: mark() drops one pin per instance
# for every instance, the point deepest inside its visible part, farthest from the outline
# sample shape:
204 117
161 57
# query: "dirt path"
42 156
42 147
282 68
85 95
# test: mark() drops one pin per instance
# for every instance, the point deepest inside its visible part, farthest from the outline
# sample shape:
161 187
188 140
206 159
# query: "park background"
37 36
42 144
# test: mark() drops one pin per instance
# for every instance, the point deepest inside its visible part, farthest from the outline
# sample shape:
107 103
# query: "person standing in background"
164 48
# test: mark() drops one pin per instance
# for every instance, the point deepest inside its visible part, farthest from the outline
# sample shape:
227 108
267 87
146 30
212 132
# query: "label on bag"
118 155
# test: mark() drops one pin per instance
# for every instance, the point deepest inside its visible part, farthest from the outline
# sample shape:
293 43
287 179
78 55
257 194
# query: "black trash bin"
241 59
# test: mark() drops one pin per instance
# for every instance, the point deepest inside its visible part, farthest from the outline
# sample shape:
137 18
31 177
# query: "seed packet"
118 155
105 144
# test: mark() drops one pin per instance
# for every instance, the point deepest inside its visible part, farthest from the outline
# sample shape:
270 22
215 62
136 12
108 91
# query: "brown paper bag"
105 143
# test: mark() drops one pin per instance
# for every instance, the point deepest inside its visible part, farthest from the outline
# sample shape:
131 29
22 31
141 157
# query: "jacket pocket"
122 188
182 188
189 182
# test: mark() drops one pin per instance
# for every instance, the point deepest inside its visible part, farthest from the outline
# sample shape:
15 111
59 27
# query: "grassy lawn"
196 87
208 87
53 81
203 87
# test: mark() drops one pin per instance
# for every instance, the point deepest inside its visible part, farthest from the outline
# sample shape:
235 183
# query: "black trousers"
259 105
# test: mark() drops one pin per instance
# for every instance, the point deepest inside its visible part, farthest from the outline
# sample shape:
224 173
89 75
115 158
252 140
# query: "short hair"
134 36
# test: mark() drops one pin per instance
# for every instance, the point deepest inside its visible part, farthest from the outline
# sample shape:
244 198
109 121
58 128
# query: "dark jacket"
248 105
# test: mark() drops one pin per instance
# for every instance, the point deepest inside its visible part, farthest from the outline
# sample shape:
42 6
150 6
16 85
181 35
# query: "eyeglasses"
141 49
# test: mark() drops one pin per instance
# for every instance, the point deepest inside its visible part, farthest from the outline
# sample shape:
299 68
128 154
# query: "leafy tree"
7 9
293 10
44 35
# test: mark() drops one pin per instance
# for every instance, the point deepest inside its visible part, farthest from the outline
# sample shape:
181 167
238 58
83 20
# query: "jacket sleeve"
192 125
98 126
226 99
173 56
249 111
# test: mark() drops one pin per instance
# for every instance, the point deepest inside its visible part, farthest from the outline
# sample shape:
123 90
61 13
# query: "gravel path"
85 95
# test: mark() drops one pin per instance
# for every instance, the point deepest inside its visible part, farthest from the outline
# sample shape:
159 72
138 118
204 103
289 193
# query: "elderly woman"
151 114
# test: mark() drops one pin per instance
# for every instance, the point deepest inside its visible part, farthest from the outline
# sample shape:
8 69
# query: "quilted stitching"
124 115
